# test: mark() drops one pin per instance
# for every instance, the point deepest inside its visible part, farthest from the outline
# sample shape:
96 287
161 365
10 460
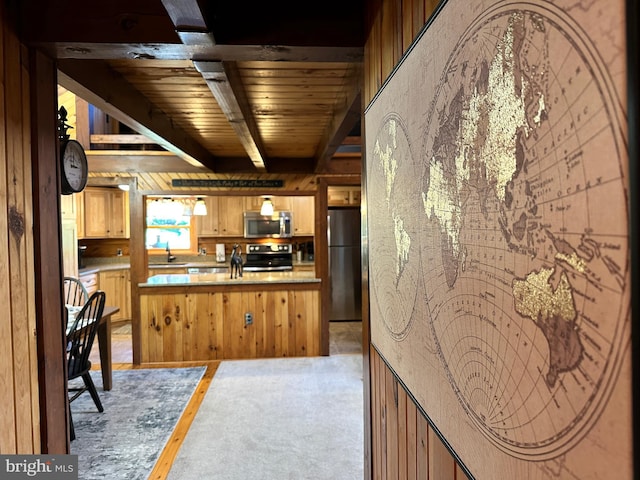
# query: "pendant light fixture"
200 208
267 207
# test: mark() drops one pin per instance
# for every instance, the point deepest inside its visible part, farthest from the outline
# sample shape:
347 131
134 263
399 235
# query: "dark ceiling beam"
227 53
224 82
341 125
106 89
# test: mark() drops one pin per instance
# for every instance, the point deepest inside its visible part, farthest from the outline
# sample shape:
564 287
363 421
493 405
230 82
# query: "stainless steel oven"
278 225
266 257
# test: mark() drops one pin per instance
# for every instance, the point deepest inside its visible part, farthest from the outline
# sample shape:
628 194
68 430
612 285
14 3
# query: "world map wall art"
498 235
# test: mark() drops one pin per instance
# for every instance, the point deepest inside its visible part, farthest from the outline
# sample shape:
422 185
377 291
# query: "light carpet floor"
278 419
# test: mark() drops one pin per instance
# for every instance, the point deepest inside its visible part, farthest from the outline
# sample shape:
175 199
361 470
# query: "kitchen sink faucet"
170 258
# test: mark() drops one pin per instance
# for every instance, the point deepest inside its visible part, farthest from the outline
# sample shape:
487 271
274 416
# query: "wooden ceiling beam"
107 90
189 21
176 51
341 125
224 82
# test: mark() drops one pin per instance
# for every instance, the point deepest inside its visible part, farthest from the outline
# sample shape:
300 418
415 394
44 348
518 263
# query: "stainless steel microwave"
278 225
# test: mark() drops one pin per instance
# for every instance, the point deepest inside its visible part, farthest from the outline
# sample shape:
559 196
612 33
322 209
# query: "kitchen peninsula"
185 317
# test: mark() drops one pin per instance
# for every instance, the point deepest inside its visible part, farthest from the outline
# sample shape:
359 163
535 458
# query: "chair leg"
88 381
72 433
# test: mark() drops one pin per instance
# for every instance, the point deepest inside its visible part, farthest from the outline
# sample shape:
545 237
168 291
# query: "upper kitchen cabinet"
106 213
280 204
230 219
223 218
343 196
302 211
208 224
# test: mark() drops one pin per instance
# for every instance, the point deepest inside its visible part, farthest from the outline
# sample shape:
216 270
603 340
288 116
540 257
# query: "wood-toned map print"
498 233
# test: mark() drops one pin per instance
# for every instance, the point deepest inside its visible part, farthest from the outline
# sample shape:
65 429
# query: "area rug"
278 419
140 413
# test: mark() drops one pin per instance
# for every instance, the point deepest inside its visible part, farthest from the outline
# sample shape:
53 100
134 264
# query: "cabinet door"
303 216
105 213
96 211
69 248
68 210
115 284
231 222
340 196
208 224
118 214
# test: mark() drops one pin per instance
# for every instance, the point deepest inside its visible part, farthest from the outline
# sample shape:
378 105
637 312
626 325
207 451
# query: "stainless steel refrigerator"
344 264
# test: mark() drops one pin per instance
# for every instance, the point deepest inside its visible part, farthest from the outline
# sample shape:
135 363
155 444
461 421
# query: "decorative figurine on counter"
236 261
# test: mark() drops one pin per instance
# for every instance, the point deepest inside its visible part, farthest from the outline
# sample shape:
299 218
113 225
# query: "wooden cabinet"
230 219
105 213
342 196
208 224
69 229
280 204
69 248
117 286
302 210
90 282
223 218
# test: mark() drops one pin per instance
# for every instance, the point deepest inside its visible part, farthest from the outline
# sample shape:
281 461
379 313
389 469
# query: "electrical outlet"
248 318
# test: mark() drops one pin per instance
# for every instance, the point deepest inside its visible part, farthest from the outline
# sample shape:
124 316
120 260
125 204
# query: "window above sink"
169 227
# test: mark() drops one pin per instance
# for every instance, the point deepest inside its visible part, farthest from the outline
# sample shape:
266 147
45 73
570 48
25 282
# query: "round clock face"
74 167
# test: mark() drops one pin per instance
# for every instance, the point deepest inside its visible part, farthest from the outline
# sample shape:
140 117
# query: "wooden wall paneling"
298 301
267 330
18 178
376 416
172 308
231 329
24 194
201 327
314 322
249 337
186 323
418 16
408 23
391 422
460 474
441 464
401 395
412 440
151 313
218 321
8 418
279 309
422 447
388 37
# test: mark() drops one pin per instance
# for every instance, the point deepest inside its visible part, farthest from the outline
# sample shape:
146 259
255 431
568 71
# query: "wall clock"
74 167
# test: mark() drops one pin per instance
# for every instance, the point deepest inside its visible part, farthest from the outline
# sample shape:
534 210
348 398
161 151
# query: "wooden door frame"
47 236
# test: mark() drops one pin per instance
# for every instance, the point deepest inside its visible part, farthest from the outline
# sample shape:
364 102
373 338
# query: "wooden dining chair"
75 292
79 342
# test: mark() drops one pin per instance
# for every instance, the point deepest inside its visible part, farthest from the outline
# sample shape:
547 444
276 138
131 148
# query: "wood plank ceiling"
225 86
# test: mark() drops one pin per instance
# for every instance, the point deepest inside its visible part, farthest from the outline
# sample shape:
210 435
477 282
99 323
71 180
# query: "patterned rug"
140 413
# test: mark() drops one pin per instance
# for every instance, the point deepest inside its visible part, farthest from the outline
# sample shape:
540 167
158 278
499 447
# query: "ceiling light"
267 207
124 187
200 208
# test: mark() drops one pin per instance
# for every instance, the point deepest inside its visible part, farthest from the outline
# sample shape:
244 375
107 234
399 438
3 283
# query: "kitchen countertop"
105 267
249 278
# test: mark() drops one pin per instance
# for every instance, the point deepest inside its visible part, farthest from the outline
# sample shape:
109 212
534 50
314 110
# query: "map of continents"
523 195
